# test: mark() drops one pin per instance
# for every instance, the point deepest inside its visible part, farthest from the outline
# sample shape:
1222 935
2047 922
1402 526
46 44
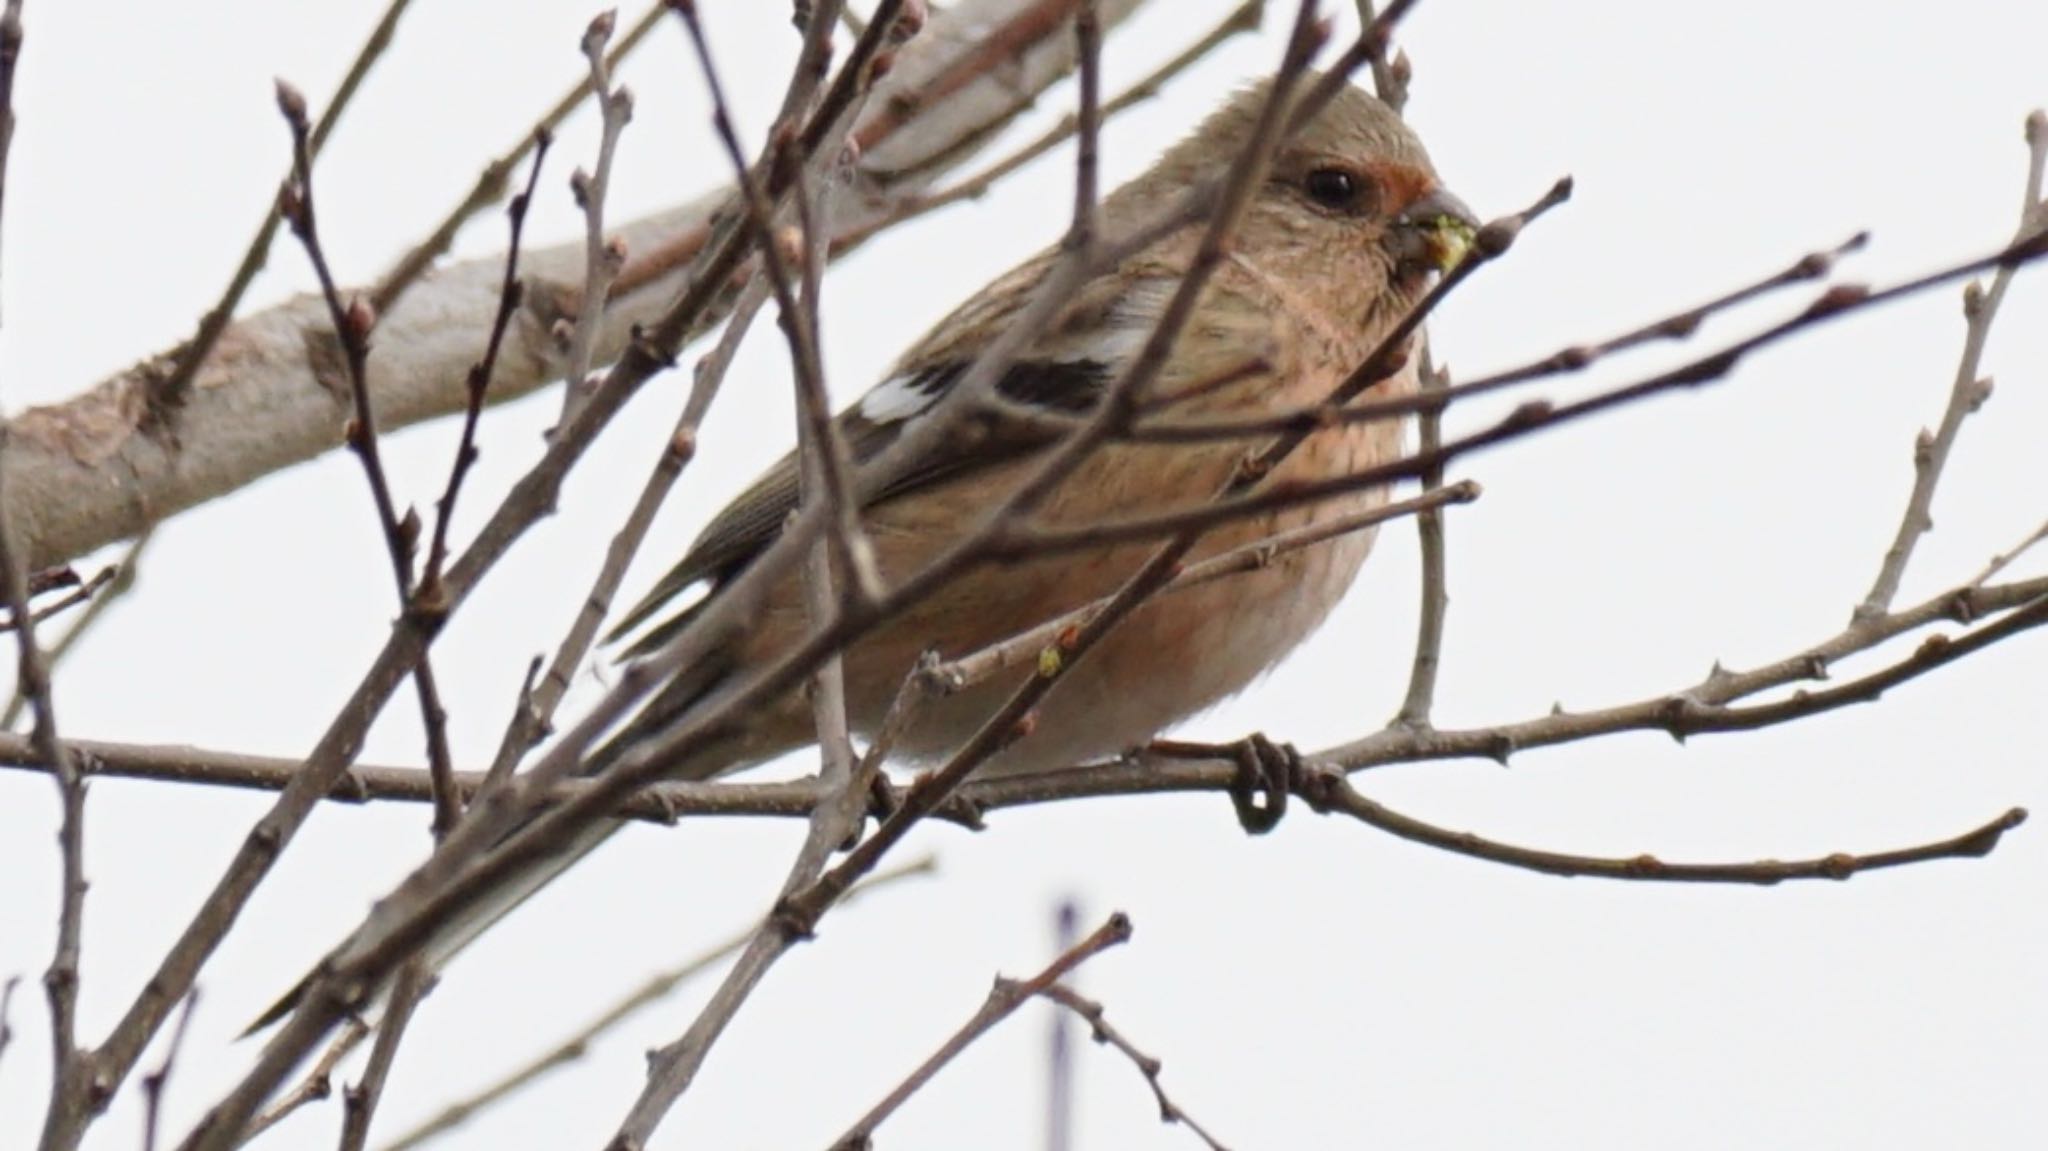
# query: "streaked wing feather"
752 521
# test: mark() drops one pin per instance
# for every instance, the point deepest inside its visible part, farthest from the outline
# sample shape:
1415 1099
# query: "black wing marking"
755 518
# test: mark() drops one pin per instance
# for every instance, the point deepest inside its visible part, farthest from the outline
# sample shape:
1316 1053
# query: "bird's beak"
1433 233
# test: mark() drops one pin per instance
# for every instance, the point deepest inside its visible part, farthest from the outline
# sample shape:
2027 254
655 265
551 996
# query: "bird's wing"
1082 352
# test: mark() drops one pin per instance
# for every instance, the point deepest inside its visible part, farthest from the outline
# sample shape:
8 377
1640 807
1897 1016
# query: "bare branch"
1087 122
72 1099
1326 789
6 1006
1967 393
175 387
1088 1009
1574 358
153 1084
579 1042
495 180
123 581
2004 559
82 593
1429 524
1003 999
359 1102
1682 713
510 293
534 715
353 321
1245 18
318 1083
602 259
1389 77
1031 646
673 1067
11 37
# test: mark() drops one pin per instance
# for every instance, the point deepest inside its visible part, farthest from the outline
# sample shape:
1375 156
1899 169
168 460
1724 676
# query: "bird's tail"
719 756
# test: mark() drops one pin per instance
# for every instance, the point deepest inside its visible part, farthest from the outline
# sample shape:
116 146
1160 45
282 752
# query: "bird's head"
1351 214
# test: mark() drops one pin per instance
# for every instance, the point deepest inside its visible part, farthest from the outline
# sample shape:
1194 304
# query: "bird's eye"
1334 188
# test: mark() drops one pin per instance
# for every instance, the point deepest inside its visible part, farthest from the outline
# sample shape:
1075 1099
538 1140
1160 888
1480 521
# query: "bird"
1349 228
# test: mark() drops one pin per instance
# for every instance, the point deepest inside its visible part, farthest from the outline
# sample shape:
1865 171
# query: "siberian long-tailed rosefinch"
1333 250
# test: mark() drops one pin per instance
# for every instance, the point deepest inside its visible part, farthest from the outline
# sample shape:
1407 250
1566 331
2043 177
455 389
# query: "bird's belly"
1181 653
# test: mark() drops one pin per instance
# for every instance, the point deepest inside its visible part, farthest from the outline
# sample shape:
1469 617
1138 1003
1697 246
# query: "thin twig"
78 595
534 715
124 570
1326 789
1966 394
1390 83
153 1084
603 259
1429 526
672 1068
353 321
1088 1009
359 1102
495 179
580 1041
1389 77
1245 18
1572 359
6 1008
317 1085
11 37
177 382
510 293
72 1102
827 467
535 711
1003 1000
2004 559
1030 646
1087 122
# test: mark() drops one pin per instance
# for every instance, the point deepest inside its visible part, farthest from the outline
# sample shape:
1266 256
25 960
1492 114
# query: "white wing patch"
1103 352
898 398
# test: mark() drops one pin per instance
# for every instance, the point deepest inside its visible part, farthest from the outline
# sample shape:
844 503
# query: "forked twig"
1003 999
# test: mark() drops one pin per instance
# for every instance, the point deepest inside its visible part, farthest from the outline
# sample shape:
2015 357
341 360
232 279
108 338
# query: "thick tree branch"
91 470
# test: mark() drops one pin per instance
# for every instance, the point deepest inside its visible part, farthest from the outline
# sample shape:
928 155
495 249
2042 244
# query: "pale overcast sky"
1325 986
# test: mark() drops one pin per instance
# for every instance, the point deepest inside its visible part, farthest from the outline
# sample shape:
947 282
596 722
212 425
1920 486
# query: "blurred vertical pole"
1059 1099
